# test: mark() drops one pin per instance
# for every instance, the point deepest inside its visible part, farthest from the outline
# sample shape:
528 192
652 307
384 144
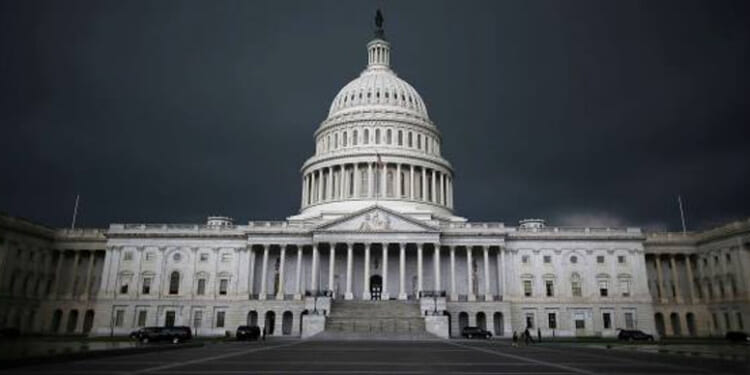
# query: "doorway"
169 318
376 287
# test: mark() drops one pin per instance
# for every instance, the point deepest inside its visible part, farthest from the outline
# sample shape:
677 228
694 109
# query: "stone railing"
81 234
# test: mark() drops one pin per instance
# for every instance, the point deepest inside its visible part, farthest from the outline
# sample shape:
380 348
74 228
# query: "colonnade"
701 286
368 256
377 180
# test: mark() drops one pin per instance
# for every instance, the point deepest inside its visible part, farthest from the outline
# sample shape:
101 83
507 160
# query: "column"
357 180
366 291
304 184
89 269
370 182
342 180
263 274
424 184
251 271
469 275
319 185
385 294
331 268
443 190
383 181
411 183
675 279
314 273
397 189
504 279
282 260
454 292
74 274
298 279
660 279
58 271
691 280
436 263
349 264
433 196
402 271
419 271
487 291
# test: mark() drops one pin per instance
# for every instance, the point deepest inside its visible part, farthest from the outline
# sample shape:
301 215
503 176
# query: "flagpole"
682 214
75 212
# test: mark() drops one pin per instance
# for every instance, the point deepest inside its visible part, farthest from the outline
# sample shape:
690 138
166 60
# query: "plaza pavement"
390 357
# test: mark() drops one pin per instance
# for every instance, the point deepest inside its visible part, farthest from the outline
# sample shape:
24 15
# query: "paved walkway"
390 357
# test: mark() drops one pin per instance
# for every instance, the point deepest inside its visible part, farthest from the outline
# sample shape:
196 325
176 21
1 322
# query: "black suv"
737 336
248 333
153 334
633 335
472 332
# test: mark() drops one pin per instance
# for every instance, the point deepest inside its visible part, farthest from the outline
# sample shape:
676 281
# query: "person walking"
526 336
539 334
515 340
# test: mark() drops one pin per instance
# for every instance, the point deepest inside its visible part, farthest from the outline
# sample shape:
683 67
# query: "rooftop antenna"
75 212
682 214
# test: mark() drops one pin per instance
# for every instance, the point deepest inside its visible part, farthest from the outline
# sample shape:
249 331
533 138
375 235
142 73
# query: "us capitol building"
376 249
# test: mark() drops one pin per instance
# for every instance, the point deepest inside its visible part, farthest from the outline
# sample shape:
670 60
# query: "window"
344 139
524 259
607 320
400 138
366 138
197 318
174 283
377 136
142 318
727 321
388 137
574 259
409 139
177 257
204 257
603 288
625 288
119 318
220 319
223 286
146 288
580 321
419 141
226 257
169 318
550 288
124 288
547 259
529 320
600 259
527 288
128 256
575 285
621 259
629 321
715 320
201 287
150 256
552 321
740 323
729 258
354 137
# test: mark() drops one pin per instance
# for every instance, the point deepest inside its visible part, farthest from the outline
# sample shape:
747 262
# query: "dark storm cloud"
581 112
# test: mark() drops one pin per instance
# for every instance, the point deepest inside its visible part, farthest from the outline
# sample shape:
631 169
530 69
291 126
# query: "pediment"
376 219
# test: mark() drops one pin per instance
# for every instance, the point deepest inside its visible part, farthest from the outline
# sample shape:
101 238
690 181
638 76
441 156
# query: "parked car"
634 335
153 334
248 333
737 336
10 332
472 332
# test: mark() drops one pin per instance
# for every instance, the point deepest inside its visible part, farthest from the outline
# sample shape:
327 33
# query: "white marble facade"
376 221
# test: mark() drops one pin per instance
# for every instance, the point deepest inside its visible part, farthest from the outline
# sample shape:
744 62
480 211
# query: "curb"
68 357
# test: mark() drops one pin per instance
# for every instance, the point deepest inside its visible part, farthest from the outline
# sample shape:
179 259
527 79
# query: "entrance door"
376 287
169 318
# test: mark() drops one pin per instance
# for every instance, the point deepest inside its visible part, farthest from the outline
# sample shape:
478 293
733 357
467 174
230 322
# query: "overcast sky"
579 112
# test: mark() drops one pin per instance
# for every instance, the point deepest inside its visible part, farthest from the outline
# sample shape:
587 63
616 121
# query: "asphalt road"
390 357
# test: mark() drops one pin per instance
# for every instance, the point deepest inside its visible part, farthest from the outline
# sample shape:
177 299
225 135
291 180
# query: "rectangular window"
603 288
576 286
530 321
146 289
607 320
547 259
727 321
223 286
119 318
580 321
220 319
621 259
527 288
149 256
204 257
197 318
600 259
550 288
124 288
169 318
226 257
524 259
142 318
552 321
629 321
128 256
625 288
201 287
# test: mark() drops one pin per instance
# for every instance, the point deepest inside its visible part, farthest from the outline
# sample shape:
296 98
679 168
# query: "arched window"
377 136
354 137
366 135
363 187
343 139
335 141
174 283
400 138
389 184
409 140
388 136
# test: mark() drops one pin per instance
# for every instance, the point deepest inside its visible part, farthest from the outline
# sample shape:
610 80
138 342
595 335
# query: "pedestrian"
526 336
515 339
539 334
264 334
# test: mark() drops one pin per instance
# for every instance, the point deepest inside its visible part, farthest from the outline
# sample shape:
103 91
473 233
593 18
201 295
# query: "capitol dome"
378 88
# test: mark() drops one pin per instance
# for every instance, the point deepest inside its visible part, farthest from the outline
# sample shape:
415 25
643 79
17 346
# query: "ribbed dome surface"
378 87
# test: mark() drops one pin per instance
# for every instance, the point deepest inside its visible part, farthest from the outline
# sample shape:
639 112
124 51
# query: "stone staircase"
375 320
